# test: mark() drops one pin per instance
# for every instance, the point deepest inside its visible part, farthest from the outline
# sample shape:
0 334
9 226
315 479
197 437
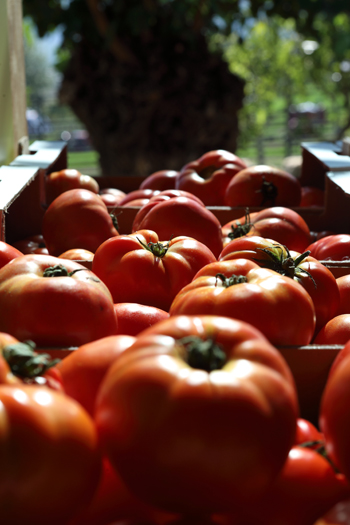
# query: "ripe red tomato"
277 306
209 176
317 280
160 180
58 182
198 415
182 216
77 254
54 302
333 247
112 196
263 186
343 283
335 332
334 411
281 224
7 253
312 196
138 268
50 457
144 193
32 244
77 219
83 370
132 318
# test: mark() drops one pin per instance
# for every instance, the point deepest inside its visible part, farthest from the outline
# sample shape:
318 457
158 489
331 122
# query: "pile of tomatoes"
175 405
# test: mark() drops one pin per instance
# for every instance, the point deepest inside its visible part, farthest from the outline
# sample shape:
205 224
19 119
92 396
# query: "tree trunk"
174 105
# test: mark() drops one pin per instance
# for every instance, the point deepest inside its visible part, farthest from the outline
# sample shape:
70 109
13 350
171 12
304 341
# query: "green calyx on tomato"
319 447
59 271
238 229
204 354
24 362
269 192
114 218
158 249
283 263
230 281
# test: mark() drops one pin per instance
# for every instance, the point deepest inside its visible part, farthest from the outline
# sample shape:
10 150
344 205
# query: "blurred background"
141 85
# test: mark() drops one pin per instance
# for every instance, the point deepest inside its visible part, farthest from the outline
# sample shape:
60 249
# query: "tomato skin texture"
54 311
144 193
7 253
209 176
334 420
50 457
277 306
77 219
133 318
77 254
281 224
343 283
82 371
245 188
160 180
67 179
335 332
306 431
183 216
332 247
312 196
134 275
181 439
32 244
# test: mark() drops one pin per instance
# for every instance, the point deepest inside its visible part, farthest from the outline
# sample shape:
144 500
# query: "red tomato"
209 176
334 412
50 458
7 253
198 415
32 244
317 280
332 247
137 194
54 302
276 305
182 216
138 268
111 196
132 318
343 283
281 224
306 488
160 180
312 196
58 182
335 332
77 254
77 219
83 370
263 186
307 432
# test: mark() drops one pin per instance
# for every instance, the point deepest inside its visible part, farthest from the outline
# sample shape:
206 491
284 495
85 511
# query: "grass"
84 161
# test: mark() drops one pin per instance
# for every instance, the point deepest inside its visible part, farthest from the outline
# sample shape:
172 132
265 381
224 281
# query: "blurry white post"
13 124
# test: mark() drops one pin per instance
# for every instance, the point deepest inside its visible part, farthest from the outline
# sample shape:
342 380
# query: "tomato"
307 432
312 196
110 199
281 224
198 415
50 458
307 487
83 370
138 268
209 176
182 216
7 253
32 244
277 306
263 186
317 280
144 193
334 411
77 219
335 332
77 254
160 180
343 283
132 318
333 248
54 302
58 182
